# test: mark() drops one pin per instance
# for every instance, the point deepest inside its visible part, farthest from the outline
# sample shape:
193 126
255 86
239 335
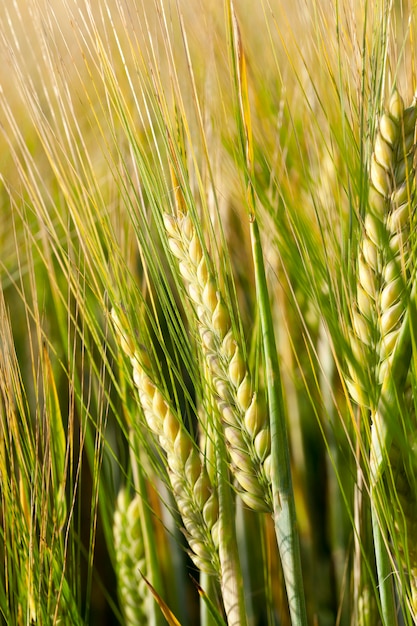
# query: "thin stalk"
208 614
384 570
284 513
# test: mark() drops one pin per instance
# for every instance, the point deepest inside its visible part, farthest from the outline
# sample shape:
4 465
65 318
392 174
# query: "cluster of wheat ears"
207 313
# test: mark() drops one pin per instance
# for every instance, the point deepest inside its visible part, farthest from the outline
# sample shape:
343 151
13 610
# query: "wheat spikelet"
246 425
194 493
130 559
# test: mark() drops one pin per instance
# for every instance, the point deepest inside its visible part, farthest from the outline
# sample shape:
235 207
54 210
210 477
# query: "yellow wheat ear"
246 424
384 255
194 493
130 558
379 319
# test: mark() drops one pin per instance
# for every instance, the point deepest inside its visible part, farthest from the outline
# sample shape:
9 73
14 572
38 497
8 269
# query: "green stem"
282 491
209 615
384 570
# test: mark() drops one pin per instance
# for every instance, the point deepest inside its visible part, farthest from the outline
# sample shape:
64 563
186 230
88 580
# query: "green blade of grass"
283 496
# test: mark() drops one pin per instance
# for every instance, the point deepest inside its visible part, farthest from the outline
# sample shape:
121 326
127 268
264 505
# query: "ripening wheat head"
194 493
384 276
246 425
130 558
384 256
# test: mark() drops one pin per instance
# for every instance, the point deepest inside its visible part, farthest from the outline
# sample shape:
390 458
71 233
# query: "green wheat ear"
130 559
384 255
246 425
194 493
379 322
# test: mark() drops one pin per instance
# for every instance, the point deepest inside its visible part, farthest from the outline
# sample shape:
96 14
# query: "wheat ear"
383 283
246 425
383 260
130 559
194 493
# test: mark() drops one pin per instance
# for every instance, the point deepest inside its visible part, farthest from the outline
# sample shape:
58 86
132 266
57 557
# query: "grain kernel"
370 253
392 271
366 277
182 447
221 319
366 304
391 293
222 389
256 503
373 228
171 226
233 436
185 271
194 292
228 414
253 419
159 406
383 152
176 248
228 345
388 129
400 194
267 466
237 369
244 393
380 178
195 251
377 202
391 317
209 296
198 548
398 218
248 482
187 228
396 106
211 511
170 426
388 343
240 459
202 272
192 467
207 338
215 533
263 443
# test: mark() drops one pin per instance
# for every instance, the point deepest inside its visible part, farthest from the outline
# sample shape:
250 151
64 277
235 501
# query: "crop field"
208 299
